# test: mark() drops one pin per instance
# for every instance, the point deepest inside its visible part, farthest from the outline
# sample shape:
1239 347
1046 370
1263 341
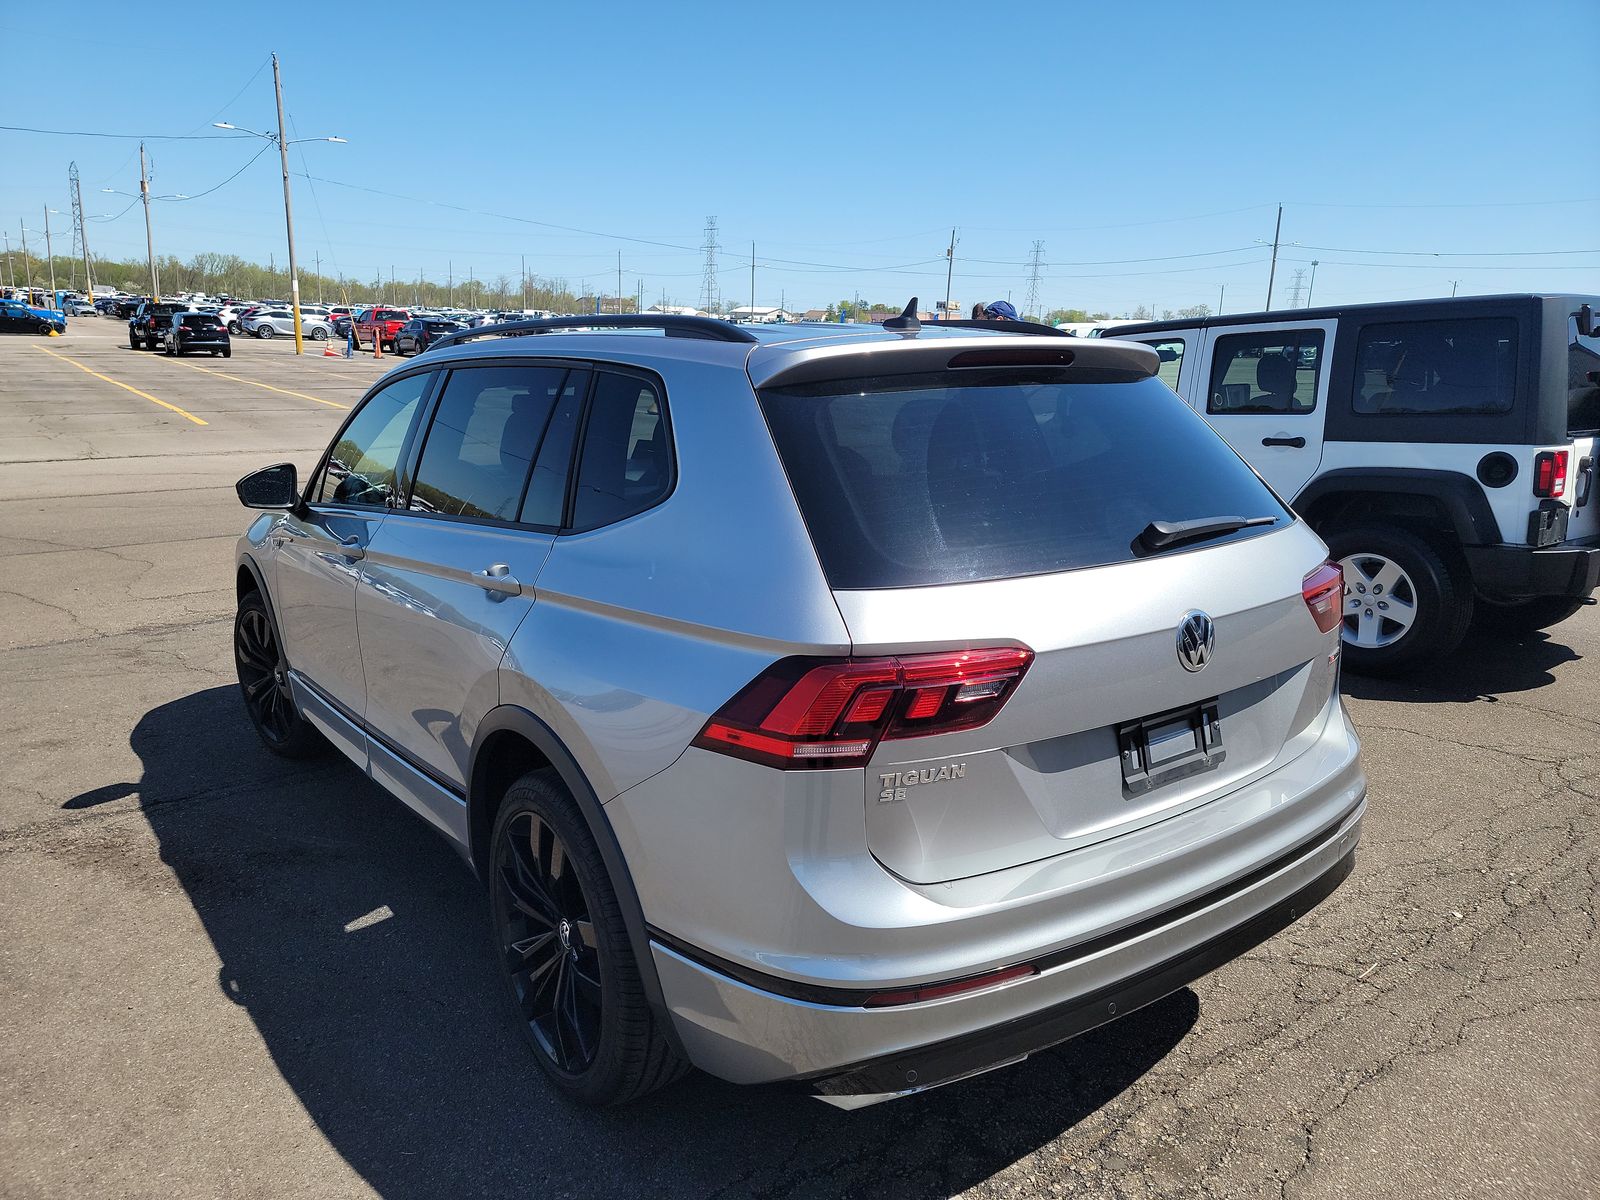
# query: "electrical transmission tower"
708 286
1031 308
80 239
1297 287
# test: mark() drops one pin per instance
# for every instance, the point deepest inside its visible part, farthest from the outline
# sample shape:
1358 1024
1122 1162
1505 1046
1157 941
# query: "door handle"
1297 443
351 547
498 579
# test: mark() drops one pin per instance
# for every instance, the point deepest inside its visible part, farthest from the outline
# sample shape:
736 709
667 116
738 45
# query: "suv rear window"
1452 367
924 479
1583 380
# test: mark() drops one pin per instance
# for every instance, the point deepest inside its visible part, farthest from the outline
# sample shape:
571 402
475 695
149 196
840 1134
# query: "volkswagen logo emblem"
1197 638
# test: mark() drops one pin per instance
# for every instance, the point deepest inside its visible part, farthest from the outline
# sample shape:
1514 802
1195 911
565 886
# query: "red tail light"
939 990
807 712
1323 592
1550 474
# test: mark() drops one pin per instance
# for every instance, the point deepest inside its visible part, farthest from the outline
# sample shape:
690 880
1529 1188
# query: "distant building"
746 315
814 314
675 310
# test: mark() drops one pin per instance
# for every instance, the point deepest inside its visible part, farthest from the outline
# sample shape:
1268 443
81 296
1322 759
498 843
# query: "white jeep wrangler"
1444 449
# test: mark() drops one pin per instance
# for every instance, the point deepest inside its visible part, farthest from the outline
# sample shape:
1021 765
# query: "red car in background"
380 325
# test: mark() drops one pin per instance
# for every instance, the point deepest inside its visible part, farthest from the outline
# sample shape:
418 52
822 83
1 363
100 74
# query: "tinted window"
1437 367
914 480
362 464
1274 371
1171 354
1583 380
200 323
547 490
626 463
482 441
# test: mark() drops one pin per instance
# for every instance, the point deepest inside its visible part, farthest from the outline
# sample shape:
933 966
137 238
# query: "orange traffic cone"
331 353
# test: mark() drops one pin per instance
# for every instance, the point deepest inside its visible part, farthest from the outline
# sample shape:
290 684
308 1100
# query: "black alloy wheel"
547 937
264 683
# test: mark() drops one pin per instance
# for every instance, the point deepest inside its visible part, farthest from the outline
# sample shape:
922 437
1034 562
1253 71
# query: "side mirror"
276 486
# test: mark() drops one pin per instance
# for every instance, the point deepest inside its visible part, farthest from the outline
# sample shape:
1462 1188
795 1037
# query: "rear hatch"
1582 379
1014 508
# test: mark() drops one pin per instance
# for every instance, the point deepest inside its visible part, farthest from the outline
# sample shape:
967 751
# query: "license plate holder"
1167 746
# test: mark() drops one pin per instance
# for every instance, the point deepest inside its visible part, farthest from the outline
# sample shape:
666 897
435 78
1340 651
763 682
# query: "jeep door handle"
351 547
1297 443
498 579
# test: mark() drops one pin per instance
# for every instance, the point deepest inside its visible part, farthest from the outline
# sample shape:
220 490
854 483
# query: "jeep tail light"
1323 592
832 712
1550 474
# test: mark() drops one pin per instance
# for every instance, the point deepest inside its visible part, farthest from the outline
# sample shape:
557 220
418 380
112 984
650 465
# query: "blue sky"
845 143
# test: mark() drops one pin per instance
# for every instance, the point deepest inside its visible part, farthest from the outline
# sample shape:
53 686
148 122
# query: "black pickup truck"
148 326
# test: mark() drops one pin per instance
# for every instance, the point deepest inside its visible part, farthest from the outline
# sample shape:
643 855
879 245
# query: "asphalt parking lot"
228 975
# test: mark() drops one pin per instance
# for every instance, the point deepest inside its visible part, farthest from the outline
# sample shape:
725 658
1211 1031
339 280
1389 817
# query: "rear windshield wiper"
1163 535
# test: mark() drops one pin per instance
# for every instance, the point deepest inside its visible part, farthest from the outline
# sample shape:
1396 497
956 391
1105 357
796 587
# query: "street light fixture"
283 143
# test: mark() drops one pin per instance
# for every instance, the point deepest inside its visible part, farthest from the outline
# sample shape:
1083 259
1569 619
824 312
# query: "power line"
1452 253
134 137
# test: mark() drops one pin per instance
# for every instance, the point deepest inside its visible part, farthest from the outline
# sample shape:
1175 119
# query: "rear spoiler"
1080 360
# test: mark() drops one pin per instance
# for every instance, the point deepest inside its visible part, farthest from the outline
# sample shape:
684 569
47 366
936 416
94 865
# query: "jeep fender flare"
518 720
1461 496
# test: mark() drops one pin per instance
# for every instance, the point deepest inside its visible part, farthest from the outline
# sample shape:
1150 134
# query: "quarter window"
362 464
1583 380
1274 371
482 441
1436 367
626 462
1171 355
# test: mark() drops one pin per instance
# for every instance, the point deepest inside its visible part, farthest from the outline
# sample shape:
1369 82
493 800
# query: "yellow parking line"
254 383
118 383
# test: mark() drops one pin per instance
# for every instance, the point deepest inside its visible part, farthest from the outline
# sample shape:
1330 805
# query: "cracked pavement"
185 1013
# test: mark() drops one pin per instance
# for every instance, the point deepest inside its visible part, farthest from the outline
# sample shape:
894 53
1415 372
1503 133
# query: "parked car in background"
124 307
147 328
343 321
194 331
1004 740
270 322
380 324
417 334
1444 449
17 317
77 306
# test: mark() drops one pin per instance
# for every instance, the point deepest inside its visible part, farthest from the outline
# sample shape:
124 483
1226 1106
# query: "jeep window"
1583 380
362 464
1459 366
625 466
928 479
1274 371
1170 352
482 440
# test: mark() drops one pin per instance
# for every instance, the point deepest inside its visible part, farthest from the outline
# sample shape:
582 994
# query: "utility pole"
949 272
1034 263
79 227
1454 283
1273 271
752 281
318 256
27 264
149 237
1221 296
49 255
288 210
1312 289
11 267
708 283
450 268
524 283
619 282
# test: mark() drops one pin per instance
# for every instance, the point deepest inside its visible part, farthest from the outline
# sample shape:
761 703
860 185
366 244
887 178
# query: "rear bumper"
852 1055
1521 572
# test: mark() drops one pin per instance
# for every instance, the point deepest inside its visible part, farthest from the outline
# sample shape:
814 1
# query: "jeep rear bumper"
1522 572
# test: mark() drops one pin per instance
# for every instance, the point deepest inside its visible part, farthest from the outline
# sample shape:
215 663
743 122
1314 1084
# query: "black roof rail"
1001 326
708 328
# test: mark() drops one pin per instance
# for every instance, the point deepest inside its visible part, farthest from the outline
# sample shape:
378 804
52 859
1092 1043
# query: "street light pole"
49 255
83 234
1311 290
949 272
288 209
149 237
1272 272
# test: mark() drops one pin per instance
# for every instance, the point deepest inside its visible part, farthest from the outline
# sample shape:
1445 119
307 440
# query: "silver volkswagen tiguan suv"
867 707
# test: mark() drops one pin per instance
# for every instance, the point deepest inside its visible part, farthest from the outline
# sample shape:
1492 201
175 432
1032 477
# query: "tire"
228 353
266 331
319 334
564 951
44 329
264 683
235 328
1431 597
133 342
1526 616
169 350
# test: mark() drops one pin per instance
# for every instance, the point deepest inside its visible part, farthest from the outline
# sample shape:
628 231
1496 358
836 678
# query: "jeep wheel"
565 953
1402 601
1526 616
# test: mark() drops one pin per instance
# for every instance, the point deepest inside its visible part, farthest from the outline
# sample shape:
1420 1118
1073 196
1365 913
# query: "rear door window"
1462 366
1274 371
626 463
913 480
1583 381
482 440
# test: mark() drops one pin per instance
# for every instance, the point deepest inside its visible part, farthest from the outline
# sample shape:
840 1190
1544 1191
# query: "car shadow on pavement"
357 941
1485 666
